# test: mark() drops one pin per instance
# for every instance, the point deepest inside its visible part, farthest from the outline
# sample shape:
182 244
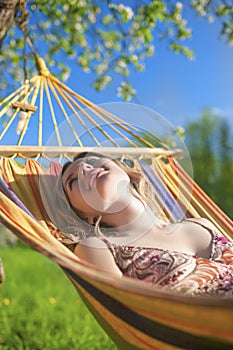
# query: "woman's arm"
94 251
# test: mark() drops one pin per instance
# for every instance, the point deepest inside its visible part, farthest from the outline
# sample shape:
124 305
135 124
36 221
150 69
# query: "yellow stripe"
133 336
186 314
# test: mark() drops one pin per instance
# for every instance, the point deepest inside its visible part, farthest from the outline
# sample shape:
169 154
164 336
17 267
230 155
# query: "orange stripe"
33 178
173 313
202 196
187 326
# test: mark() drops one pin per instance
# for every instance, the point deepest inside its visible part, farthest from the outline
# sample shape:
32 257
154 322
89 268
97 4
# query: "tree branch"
8 10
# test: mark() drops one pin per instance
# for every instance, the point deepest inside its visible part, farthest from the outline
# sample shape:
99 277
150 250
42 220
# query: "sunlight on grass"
40 308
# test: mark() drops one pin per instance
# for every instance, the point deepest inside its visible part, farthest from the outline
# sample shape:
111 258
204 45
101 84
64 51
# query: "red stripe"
143 341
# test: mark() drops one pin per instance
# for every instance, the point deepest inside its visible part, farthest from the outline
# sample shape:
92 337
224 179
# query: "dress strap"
211 230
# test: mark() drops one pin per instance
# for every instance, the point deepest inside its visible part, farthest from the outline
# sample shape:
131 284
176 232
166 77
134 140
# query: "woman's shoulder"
93 242
94 251
206 223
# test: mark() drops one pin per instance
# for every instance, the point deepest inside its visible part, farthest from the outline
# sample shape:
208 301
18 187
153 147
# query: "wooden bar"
56 151
24 107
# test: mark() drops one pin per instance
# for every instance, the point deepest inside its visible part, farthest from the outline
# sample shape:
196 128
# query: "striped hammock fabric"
134 314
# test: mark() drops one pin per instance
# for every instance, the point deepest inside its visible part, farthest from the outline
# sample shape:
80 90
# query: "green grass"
41 309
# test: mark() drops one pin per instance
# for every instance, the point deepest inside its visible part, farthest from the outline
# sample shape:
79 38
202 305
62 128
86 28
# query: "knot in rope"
41 67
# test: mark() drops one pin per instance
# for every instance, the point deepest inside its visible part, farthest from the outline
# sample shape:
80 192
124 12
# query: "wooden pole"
56 151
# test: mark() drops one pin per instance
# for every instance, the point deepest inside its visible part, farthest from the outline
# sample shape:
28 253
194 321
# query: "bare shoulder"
205 222
95 251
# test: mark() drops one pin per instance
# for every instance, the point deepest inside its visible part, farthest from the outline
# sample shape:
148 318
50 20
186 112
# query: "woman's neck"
133 221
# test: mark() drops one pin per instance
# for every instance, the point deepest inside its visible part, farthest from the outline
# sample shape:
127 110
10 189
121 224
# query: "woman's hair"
140 187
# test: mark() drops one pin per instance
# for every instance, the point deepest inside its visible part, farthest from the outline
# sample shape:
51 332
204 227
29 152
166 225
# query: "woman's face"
95 186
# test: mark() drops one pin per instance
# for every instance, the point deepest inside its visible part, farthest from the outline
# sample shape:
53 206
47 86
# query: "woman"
125 236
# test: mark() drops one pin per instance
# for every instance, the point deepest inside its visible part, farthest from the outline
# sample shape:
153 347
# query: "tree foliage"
210 144
100 36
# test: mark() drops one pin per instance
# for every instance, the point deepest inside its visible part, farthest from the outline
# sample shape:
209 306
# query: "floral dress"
180 272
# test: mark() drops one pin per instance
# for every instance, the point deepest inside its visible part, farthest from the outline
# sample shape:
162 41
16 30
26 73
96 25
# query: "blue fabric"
7 191
163 194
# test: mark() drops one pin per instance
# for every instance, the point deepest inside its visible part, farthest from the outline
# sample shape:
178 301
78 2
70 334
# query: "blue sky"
174 86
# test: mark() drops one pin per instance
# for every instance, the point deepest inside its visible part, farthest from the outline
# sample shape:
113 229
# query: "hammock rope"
46 90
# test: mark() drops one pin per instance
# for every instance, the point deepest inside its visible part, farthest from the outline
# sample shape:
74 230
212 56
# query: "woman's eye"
91 161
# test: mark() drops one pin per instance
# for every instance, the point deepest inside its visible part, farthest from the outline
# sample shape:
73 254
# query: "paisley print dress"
177 271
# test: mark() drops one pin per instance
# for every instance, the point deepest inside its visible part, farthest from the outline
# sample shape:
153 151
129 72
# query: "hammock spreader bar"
55 152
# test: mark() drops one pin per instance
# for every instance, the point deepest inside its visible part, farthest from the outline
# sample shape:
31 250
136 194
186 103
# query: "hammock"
134 314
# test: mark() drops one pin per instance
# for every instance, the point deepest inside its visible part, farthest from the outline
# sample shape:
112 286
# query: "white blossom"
66 7
101 68
78 26
122 64
121 8
210 19
179 5
22 119
92 17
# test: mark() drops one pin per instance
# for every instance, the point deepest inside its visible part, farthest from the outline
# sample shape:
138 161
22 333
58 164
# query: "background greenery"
41 310
210 143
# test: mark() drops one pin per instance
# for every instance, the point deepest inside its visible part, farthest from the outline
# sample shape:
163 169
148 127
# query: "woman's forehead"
69 167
